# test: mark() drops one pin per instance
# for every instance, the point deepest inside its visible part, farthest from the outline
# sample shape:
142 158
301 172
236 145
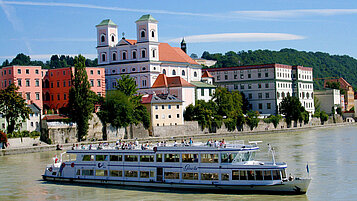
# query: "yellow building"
164 109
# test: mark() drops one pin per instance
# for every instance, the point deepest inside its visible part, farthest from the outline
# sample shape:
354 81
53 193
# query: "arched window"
114 56
277 94
134 54
102 38
153 33
143 53
312 94
153 53
113 38
142 34
103 57
173 72
307 95
195 74
282 94
124 55
183 73
164 72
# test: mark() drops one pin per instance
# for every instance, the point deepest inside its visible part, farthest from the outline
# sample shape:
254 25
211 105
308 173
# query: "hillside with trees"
324 64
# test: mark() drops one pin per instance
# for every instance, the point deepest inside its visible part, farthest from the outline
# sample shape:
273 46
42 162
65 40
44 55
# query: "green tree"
252 119
323 117
273 119
81 98
290 106
13 107
21 60
5 63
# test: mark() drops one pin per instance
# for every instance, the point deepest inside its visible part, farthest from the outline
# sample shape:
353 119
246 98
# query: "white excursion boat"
225 168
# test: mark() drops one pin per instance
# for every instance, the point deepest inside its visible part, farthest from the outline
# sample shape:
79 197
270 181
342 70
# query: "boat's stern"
51 171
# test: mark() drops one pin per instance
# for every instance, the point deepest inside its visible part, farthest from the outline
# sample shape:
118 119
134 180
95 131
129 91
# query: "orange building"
348 96
57 82
27 78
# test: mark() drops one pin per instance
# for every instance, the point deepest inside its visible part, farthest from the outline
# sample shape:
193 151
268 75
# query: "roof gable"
162 81
206 74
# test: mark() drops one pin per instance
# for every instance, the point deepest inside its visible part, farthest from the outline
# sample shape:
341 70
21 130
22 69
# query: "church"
146 59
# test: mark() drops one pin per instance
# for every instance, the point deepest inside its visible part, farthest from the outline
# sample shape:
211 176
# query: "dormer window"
195 74
142 34
102 38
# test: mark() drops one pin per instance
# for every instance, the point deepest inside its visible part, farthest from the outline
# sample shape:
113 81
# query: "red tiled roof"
168 53
206 74
146 99
344 84
162 81
54 117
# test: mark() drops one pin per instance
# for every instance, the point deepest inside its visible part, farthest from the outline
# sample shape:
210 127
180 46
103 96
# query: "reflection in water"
330 152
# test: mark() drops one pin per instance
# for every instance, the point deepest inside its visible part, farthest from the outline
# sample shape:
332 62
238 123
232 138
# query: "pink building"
27 78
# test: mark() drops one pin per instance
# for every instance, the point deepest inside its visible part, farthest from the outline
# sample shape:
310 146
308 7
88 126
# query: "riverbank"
33 149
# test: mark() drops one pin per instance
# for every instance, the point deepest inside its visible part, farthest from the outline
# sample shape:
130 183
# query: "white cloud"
260 14
238 37
59 39
46 57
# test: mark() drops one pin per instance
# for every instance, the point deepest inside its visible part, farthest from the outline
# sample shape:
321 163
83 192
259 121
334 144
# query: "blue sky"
41 28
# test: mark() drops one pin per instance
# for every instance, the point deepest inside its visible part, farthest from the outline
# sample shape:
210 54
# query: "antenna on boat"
271 149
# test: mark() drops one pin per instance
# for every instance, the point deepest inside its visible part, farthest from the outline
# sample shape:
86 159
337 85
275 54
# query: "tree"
21 59
194 56
5 63
290 106
273 119
13 107
323 117
252 119
81 98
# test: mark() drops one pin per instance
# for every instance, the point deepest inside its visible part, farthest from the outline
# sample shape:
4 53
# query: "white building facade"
144 58
265 86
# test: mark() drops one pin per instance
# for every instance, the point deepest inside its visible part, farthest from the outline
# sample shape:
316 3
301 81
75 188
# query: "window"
171 157
259 86
169 107
18 71
69 83
88 158
4 72
235 76
218 77
87 172
172 175
19 82
227 157
266 95
144 174
153 33
183 73
124 55
163 107
266 85
260 106
27 71
58 97
241 76
143 53
242 86
36 71
101 173
249 86
130 173
226 77
202 92
37 83
249 75
64 96
113 38
153 53
268 106
131 158
142 34
173 72
115 173
195 74
259 75
276 175
209 158
103 57
250 96
134 54
114 56
158 157
156 116
98 72
209 176
190 176
210 92
116 158
266 74
92 83
225 177
99 83
91 72
178 115
37 96
102 38
64 83
58 85
147 158
177 106
27 82
189 158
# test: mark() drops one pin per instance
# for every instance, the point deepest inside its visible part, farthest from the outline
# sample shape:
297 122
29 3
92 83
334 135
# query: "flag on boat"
307 168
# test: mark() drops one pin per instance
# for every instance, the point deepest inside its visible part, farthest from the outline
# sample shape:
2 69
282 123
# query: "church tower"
107 36
183 45
146 29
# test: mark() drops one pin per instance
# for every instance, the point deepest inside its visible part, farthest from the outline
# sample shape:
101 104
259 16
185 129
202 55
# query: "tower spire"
183 45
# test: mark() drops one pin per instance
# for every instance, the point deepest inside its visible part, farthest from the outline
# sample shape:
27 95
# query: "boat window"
172 157
209 176
130 173
243 175
131 158
251 174
147 158
245 156
116 173
258 175
88 158
283 174
190 158
78 172
144 174
276 175
225 177
209 158
267 175
190 176
87 172
116 157
227 157
158 157
172 175
152 174
101 173
101 157
235 174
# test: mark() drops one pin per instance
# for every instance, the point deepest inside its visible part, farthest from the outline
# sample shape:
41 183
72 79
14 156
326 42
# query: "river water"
330 152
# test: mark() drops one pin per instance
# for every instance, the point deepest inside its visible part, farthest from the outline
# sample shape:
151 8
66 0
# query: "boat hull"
288 187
